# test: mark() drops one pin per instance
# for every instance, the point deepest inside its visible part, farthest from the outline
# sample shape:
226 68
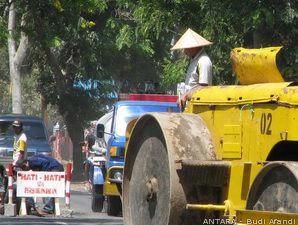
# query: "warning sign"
40 184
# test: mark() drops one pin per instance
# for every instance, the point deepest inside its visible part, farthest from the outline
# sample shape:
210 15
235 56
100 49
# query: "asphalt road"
81 213
57 221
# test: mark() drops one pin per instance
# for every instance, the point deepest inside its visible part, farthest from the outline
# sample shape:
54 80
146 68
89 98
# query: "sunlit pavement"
81 212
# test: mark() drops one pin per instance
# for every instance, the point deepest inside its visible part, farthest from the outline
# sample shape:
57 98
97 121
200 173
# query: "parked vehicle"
38 142
125 113
36 133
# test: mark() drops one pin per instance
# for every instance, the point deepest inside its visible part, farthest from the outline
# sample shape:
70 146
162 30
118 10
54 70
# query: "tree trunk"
74 127
257 38
76 134
15 77
16 58
43 108
14 71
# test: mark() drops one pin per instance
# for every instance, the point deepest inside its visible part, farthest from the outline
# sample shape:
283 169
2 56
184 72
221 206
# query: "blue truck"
125 113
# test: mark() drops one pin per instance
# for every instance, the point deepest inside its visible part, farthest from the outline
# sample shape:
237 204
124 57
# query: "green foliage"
125 37
228 24
30 99
147 47
3 31
5 96
159 18
127 40
173 73
5 104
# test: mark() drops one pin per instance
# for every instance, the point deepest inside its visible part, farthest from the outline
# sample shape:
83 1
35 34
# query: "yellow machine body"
246 123
110 186
254 66
110 189
249 123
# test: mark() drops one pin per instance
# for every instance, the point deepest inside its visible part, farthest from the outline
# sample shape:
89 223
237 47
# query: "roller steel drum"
152 192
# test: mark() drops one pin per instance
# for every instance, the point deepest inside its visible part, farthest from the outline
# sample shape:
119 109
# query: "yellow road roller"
230 158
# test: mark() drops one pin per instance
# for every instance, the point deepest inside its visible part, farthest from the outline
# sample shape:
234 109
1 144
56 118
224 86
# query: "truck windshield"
125 114
33 130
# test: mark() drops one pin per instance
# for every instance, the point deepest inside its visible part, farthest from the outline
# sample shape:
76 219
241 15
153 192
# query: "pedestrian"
199 72
45 163
20 142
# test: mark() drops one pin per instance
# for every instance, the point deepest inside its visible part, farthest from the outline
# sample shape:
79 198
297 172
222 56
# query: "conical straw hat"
191 39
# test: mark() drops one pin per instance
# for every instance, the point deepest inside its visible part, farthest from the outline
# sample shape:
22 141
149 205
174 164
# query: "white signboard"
40 184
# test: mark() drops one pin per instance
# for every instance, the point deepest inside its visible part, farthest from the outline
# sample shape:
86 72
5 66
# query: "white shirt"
199 71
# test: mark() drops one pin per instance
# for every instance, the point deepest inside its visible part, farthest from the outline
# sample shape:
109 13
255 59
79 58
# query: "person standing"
199 72
20 142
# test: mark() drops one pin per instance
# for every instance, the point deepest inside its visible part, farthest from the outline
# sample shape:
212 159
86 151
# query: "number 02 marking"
266 120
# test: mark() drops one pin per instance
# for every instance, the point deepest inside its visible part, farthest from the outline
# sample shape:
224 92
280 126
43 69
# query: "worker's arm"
21 155
21 148
187 96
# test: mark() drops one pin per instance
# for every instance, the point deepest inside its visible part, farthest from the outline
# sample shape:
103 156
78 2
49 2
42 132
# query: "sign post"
10 208
67 189
41 184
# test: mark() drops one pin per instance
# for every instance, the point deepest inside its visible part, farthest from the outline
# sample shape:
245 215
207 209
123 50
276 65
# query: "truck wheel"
97 198
153 192
275 188
114 205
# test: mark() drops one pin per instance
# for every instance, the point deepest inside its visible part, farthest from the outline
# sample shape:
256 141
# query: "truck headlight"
118 176
115 175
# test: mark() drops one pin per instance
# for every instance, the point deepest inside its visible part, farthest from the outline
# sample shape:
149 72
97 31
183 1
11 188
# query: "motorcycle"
96 177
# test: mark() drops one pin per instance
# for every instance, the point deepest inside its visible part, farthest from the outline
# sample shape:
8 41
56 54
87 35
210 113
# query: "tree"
63 53
17 55
72 41
120 40
228 24
5 104
75 41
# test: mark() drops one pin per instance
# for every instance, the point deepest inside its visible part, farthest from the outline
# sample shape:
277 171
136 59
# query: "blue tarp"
94 86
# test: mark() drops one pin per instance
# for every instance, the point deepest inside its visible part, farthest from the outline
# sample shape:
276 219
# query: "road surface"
81 215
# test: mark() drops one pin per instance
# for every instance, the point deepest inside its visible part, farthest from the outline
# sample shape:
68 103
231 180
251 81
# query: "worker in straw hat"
199 71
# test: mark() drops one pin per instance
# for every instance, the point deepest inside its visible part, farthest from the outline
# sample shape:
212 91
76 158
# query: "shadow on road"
80 193
58 221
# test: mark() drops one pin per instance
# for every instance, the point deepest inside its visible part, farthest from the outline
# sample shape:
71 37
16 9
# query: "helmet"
17 123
